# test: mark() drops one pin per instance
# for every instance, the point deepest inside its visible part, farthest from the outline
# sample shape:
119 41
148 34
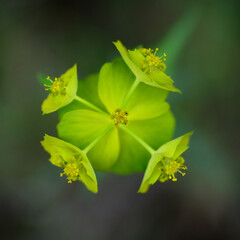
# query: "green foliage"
178 37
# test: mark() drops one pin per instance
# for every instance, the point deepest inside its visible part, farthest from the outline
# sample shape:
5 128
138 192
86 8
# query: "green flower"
122 122
166 162
117 120
62 90
147 66
74 162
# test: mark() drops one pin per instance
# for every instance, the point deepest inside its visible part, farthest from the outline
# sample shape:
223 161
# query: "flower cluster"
115 121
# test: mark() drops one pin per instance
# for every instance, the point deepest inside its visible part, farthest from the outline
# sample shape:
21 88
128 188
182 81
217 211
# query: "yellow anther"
120 117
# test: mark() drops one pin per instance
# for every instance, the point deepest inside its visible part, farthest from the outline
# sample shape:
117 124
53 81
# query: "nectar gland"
57 87
151 61
120 117
170 168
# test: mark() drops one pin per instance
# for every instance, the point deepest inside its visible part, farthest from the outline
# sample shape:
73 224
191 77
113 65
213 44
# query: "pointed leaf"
176 147
151 174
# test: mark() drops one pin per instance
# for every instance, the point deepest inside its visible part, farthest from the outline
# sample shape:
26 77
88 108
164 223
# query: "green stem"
144 144
93 143
135 84
81 100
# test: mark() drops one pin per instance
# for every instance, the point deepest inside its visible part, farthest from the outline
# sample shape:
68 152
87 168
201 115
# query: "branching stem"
94 142
135 84
144 144
81 100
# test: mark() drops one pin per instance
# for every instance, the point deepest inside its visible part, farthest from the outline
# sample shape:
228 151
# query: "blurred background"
201 39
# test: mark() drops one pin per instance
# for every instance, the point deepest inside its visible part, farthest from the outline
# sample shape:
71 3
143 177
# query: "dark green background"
49 37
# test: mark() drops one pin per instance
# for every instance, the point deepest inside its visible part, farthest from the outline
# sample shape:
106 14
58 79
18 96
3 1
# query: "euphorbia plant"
117 121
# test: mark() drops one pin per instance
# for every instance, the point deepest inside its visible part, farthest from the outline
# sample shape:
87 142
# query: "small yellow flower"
147 66
74 162
166 162
151 61
62 91
57 87
170 167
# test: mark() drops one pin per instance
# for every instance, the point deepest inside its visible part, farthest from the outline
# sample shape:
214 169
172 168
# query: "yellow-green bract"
62 91
166 162
146 67
74 162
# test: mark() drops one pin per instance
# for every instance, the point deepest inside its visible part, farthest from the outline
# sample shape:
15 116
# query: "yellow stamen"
120 117
151 61
57 87
170 168
71 170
